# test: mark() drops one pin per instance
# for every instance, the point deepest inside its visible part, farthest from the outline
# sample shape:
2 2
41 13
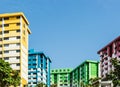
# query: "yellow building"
14 32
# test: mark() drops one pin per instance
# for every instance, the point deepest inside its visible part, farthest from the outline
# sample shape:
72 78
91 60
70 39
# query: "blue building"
38 68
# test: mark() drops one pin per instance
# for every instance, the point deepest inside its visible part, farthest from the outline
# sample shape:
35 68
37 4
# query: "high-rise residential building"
38 68
111 50
61 77
14 32
74 77
83 73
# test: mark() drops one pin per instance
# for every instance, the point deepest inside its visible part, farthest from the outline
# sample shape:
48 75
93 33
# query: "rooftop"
116 39
16 14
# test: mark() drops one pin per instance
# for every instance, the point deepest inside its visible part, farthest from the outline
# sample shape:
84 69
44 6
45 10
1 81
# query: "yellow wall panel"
12 28
12 21
11 34
9 42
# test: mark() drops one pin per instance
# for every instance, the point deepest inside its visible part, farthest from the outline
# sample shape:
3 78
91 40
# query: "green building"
75 77
83 73
61 77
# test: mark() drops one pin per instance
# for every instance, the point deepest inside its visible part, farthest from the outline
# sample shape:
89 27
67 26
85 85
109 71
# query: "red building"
112 50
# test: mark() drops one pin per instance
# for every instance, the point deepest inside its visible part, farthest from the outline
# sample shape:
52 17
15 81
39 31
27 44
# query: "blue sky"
68 31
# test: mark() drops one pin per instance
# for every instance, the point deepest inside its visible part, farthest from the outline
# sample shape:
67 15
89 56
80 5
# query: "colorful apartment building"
83 73
61 77
38 68
111 50
14 32
74 77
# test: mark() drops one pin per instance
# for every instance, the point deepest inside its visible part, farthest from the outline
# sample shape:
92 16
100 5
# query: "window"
18 70
17 30
34 83
6 58
0 39
34 59
29 73
18 37
34 78
29 82
0 19
65 80
18 57
6 51
61 84
18 64
6 25
6 38
0 32
41 65
65 84
34 64
18 24
17 44
18 17
6 45
0 52
6 32
34 73
34 68
41 60
17 51
7 18
0 25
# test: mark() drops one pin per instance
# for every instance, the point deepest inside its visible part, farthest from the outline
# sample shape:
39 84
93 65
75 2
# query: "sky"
68 31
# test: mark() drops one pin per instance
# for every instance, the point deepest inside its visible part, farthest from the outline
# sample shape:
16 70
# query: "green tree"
7 77
114 75
94 82
16 78
40 84
82 84
53 85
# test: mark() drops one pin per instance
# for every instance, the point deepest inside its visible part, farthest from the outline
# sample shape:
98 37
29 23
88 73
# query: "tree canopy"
40 84
8 76
115 73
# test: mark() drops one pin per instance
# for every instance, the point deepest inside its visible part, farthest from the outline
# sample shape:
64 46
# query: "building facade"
61 77
38 68
111 50
83 73
74 77
14 32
